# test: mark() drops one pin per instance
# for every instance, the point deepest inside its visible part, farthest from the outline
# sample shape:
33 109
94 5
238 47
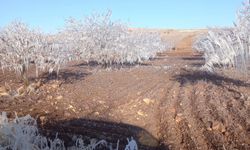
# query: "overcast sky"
49 15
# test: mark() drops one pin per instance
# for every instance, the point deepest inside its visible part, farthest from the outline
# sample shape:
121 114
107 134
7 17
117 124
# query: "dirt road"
166 103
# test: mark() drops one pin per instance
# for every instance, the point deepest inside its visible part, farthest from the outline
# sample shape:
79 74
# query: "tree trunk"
24 76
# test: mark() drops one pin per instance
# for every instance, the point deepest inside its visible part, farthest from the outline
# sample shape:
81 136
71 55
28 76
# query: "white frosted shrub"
218 48
107 42
54 54
21 47
242 28
95 39
228 47
18 47
22 134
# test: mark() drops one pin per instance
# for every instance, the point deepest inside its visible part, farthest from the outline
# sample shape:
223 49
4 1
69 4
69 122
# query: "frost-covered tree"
97 38
53 55
22 47
218 48
242 28
19 44
228 47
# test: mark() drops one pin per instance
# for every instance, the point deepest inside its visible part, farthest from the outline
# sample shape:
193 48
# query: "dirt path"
165 103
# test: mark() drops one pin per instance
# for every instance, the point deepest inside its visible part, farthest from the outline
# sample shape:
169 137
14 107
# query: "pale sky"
49 15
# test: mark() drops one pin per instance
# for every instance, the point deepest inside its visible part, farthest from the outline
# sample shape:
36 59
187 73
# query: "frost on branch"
107 42
22 47
95 39
228 47
218 48
22 134
18 47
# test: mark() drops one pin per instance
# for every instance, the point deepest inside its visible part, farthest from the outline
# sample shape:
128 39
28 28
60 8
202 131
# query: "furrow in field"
169 132
195 129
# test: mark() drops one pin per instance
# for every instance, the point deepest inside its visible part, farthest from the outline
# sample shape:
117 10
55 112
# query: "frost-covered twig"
21 47
22 134
228 47
107 42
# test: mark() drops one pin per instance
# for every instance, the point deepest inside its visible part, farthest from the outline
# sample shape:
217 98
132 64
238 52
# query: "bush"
95 39
107 42
21 47
228 47
22 134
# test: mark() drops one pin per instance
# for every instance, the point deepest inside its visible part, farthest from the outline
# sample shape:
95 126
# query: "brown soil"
166 103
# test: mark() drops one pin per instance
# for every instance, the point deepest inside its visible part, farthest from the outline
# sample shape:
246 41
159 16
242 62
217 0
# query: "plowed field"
166 103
